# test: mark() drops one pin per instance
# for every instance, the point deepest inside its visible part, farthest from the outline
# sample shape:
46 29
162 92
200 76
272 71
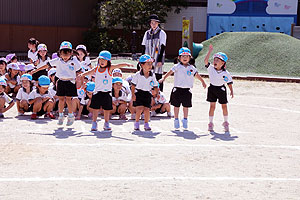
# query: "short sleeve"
174 68
77 64
19 94
163 38
53 62
228 78
144 38
135 79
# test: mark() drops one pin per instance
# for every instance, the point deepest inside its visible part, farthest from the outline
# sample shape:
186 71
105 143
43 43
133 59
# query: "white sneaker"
169 114
20 114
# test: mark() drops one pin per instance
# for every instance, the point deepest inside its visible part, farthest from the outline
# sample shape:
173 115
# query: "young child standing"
23 95
103 80
218 76
184 74
66 67
42 60
142 83
4 98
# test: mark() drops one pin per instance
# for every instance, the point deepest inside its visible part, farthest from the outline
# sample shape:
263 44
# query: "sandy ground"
258 160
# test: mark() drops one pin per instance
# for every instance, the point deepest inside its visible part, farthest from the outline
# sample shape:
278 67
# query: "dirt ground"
258 160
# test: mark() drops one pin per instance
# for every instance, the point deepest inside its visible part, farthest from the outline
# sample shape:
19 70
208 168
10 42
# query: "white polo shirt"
66 70
184 75
122 96
143 83
161 98
42 63
32 56
22 94
6 98
35 94
86 64
218 78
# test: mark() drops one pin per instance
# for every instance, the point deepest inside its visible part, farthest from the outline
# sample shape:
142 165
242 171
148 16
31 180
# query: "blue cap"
44 81
3 82
145 58
26 77
90 86
117 80
65 45
221 56
185 51
106 55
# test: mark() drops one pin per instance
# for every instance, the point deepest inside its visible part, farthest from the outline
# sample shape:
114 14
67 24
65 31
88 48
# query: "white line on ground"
130 178
159 145
265 107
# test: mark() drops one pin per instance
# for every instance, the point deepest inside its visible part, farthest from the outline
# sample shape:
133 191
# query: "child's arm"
133 97
208 54
90 72
231 90
197 75
39 69
120 65
3 110
165 76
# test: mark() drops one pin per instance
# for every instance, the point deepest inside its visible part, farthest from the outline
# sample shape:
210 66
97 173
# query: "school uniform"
143 87
66 74
84 102
85 64
122 97
23 95
32 56
183 82
217 89
35 93
160 101
15 78
103 86
42 63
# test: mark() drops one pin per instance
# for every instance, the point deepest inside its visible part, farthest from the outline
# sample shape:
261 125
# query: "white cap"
51 72
81 46
29 67
3 59
14 66
117 70
42 47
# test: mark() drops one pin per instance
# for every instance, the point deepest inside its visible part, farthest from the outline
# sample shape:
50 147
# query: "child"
184 74
23 95
119 98
85 102
11 58
103 81
42 60
218 76
142 83
83 58
41 99
4 98
32 52
66 67
3 65
159 104
12 77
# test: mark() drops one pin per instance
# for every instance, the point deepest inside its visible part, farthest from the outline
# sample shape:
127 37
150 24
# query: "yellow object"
185 29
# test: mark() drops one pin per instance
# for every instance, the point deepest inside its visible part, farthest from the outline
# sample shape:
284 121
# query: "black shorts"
143 98
159 111
217 93
42 111
101 99
30 108
36 75
85 111
181 96
66 89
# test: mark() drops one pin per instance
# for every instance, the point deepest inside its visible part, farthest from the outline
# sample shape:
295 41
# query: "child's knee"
2 102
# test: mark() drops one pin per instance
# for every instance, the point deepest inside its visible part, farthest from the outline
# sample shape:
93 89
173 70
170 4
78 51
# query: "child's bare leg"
147 114
70 106
48 107
122 109
225 110
61 104
95 114
185 112
24 105
139 110
106 115
212 109
37 106
2 103
176 112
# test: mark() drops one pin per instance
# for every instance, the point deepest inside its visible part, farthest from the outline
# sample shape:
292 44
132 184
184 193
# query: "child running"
142 83
103 80
184 74
66 67
218 76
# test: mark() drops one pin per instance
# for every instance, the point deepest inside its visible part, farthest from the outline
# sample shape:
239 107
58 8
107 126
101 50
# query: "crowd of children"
67 82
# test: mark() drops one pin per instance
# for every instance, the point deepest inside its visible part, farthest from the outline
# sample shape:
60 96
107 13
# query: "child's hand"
161 80
231 94
211 47
204 84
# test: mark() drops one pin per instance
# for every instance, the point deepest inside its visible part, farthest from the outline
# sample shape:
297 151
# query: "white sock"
225 118
211 119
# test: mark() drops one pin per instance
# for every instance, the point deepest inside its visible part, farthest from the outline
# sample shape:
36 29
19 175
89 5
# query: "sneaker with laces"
106 126
184 123
70 120
211 126
136 126
176 124
226 126
94 126
60 120
34 116
147 127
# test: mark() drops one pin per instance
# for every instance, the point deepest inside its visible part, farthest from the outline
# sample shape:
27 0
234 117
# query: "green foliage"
256 53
